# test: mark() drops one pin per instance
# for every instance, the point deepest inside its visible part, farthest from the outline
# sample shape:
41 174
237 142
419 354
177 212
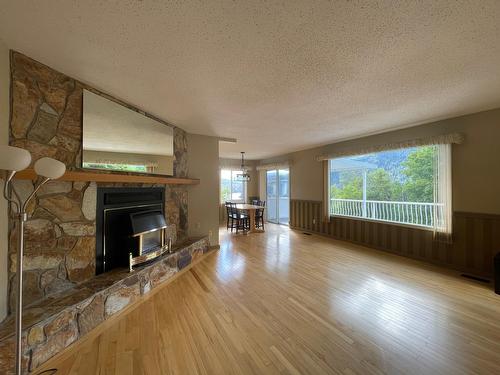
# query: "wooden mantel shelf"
29 174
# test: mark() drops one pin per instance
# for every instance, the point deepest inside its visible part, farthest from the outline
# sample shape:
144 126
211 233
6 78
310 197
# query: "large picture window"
409 186
231 189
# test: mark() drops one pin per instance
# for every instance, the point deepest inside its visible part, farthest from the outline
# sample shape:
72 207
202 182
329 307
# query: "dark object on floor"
496 261
183 261
307 234
475 278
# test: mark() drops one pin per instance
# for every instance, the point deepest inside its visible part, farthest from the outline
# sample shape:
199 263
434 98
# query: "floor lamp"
12 160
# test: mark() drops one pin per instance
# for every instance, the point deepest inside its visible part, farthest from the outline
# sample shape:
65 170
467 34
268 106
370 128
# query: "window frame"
234 172
329 197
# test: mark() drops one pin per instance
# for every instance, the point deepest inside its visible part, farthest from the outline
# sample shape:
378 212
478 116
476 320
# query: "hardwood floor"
283 302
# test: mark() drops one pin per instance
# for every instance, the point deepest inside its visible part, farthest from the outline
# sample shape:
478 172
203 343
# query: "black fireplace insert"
121 214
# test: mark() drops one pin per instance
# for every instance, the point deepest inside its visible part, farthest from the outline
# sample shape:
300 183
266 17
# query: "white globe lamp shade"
49 168
14 158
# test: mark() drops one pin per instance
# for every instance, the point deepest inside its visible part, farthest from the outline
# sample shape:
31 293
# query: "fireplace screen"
148 231
151 241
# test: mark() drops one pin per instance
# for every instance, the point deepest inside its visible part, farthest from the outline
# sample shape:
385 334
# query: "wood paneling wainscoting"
476 237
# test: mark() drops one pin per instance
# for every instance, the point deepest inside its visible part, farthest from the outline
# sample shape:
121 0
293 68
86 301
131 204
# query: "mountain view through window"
396 185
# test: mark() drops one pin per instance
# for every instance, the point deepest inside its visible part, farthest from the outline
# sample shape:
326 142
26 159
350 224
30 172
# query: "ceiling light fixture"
243 176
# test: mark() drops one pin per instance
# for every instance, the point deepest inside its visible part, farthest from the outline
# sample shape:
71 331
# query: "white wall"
4 139
203 199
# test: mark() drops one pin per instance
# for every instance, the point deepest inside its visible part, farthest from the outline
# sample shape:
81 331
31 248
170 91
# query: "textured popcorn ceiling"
279 75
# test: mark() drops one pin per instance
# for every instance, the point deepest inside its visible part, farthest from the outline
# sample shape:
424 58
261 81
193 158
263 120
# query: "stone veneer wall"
46 119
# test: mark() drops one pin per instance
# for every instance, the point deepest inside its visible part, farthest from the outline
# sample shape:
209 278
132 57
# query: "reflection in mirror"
120 139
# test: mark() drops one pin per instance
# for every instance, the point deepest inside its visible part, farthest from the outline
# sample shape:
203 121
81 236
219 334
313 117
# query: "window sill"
367 219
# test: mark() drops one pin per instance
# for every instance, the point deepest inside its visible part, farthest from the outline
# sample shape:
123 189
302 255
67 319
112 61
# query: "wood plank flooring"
282 302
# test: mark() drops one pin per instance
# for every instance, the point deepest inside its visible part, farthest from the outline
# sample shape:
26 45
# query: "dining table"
250 210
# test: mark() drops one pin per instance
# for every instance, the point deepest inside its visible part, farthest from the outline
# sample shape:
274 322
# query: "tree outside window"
396 185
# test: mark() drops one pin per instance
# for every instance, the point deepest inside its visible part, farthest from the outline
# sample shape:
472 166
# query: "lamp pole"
13 159
21 218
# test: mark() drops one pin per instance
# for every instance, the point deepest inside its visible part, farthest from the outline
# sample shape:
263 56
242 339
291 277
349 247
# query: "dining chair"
259 214
238 220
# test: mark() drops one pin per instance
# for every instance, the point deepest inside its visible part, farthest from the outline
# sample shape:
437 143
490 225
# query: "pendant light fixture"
243 176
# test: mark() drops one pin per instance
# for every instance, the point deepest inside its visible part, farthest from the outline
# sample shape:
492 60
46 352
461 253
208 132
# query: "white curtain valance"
456 138
266 167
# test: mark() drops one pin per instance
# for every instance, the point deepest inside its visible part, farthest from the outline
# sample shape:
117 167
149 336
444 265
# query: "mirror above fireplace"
120 139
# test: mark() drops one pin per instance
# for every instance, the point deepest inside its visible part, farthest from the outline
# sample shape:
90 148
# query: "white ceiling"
279 75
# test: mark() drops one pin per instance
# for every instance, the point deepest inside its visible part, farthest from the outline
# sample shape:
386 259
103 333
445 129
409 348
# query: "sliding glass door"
278 197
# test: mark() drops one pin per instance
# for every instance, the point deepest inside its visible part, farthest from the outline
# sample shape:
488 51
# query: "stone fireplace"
66 290
46 119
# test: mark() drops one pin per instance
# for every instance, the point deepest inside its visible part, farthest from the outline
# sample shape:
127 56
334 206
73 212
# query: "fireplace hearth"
54 323
130 227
